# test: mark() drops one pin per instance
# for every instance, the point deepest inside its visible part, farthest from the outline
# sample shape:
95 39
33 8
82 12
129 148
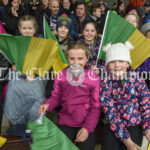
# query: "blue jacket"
76 25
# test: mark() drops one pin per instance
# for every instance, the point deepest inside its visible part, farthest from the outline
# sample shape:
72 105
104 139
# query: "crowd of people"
78 26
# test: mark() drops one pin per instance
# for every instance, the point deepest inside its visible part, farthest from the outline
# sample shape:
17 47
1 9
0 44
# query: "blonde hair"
137 19
78 45
29 18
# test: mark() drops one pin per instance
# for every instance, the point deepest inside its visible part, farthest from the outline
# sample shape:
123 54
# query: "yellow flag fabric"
148 147
40 56
31 55
2 141
141 49
60 61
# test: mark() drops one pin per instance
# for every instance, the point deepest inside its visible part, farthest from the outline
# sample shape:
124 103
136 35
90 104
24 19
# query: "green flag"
31 55
47 136
118 30
60 62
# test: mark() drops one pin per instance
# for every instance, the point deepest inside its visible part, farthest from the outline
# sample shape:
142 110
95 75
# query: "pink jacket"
80 104
2 30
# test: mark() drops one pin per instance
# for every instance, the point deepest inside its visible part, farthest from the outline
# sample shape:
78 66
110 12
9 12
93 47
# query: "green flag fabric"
31 55
47 136
60 62
118 30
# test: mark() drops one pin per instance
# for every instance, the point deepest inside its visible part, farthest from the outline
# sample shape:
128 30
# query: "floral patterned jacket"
93 49
125 103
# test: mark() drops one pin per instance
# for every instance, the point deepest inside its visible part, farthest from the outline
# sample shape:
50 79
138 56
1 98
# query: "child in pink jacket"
76 88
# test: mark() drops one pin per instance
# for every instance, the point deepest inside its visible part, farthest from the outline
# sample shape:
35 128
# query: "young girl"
28 26
77 92
120 9
132 19
90 38
125 102
23 98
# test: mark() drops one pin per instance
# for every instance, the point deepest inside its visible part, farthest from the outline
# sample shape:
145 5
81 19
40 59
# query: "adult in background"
12 16
66 7
42 10
54 14
3 8
78 19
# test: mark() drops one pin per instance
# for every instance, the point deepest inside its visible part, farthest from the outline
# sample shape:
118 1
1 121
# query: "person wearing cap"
125 101
63 30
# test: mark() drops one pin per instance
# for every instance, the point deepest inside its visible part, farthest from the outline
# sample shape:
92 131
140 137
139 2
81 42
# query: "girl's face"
89 33
15 4
97 13
132 19
118 67
63 31
27 28
77 56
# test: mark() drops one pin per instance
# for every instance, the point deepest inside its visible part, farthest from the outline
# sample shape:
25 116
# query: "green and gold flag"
47 136
116 30
60 61
31 55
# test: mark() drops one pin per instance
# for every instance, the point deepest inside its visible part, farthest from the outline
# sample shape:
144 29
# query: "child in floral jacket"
125 100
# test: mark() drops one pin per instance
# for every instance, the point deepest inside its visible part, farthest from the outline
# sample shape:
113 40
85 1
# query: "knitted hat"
64 21
118 51
145 28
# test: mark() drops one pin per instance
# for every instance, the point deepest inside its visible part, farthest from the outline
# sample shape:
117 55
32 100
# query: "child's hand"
147 134
82 135
95 69
55 32
131 145
30 78
14 11
14 68
43 108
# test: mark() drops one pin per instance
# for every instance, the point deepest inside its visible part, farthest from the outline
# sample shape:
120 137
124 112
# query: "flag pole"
44 26
102 37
